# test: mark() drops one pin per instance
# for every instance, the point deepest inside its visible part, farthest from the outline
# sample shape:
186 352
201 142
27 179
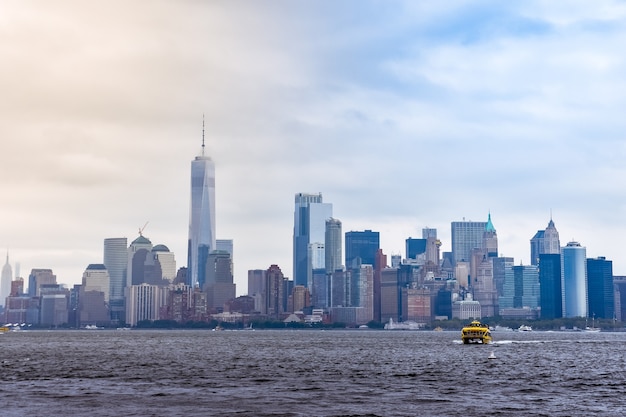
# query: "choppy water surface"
310 373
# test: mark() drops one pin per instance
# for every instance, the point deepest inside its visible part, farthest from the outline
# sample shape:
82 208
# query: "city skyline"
405 116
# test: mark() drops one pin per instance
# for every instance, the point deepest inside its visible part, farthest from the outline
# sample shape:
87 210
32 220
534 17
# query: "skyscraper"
466 236
97 278
5 281
201 217
116 261
39 277
138 252
332 245
574 280
600 288
310 217
544 242
363 245
550 293
521 287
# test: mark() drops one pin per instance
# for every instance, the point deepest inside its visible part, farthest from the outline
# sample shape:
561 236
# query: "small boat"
476 332
492 355
4 329
525 328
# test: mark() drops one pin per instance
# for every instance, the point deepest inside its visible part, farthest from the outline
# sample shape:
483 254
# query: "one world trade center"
201 217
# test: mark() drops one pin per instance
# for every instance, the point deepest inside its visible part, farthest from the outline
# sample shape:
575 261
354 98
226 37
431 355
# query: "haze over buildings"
403 114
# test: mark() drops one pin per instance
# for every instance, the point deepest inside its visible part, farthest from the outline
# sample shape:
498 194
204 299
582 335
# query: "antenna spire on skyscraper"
202 134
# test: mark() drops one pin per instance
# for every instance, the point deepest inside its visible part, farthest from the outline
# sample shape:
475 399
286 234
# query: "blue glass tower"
309 227
574 280
550 293
201 217
600 288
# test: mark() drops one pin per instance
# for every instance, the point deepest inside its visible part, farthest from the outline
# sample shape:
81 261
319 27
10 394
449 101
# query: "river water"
310 373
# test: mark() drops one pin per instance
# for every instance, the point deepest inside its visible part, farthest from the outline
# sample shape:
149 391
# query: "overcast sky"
404 115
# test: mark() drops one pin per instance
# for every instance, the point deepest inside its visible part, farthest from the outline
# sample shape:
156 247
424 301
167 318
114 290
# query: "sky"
403 114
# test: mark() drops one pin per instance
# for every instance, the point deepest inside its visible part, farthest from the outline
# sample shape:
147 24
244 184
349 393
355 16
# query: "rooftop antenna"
202 134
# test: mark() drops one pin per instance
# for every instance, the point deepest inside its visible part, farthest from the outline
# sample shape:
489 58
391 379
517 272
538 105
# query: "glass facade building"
550 298
600 288
363 245
574 280
521 287
201 218
310 215
466 236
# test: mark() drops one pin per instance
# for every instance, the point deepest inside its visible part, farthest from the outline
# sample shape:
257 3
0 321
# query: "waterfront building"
466 309
417 305
21 308
257 288
96 278
332 246
219 285
144 302
92 308
483 288
544 242
53 305
320 291
316 255
366 290
39 277
310 215
500 264
521 287
362 245
300 298
165 264
390 304
138 252
5 281
380 263
275 304
574 280
600 288
550 286
466 236
340 288
202 239
115 260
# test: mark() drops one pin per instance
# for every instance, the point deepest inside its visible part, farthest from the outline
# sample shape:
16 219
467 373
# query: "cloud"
404 115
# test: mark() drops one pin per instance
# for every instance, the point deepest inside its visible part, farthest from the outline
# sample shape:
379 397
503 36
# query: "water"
310 373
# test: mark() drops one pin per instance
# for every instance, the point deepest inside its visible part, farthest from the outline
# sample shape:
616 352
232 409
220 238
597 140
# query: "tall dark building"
275 287
600 293
363 245
415 247
550 290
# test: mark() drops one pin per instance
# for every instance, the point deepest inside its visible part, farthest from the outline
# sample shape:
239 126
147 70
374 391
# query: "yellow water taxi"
476 332
4 329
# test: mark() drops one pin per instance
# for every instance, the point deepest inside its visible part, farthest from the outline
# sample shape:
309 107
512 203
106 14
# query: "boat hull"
476 332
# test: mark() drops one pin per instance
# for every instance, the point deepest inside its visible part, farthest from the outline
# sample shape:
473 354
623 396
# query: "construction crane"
142 228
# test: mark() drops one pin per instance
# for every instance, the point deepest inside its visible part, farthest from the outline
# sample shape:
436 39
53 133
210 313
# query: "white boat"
405 325
502 329
525 328
593 328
